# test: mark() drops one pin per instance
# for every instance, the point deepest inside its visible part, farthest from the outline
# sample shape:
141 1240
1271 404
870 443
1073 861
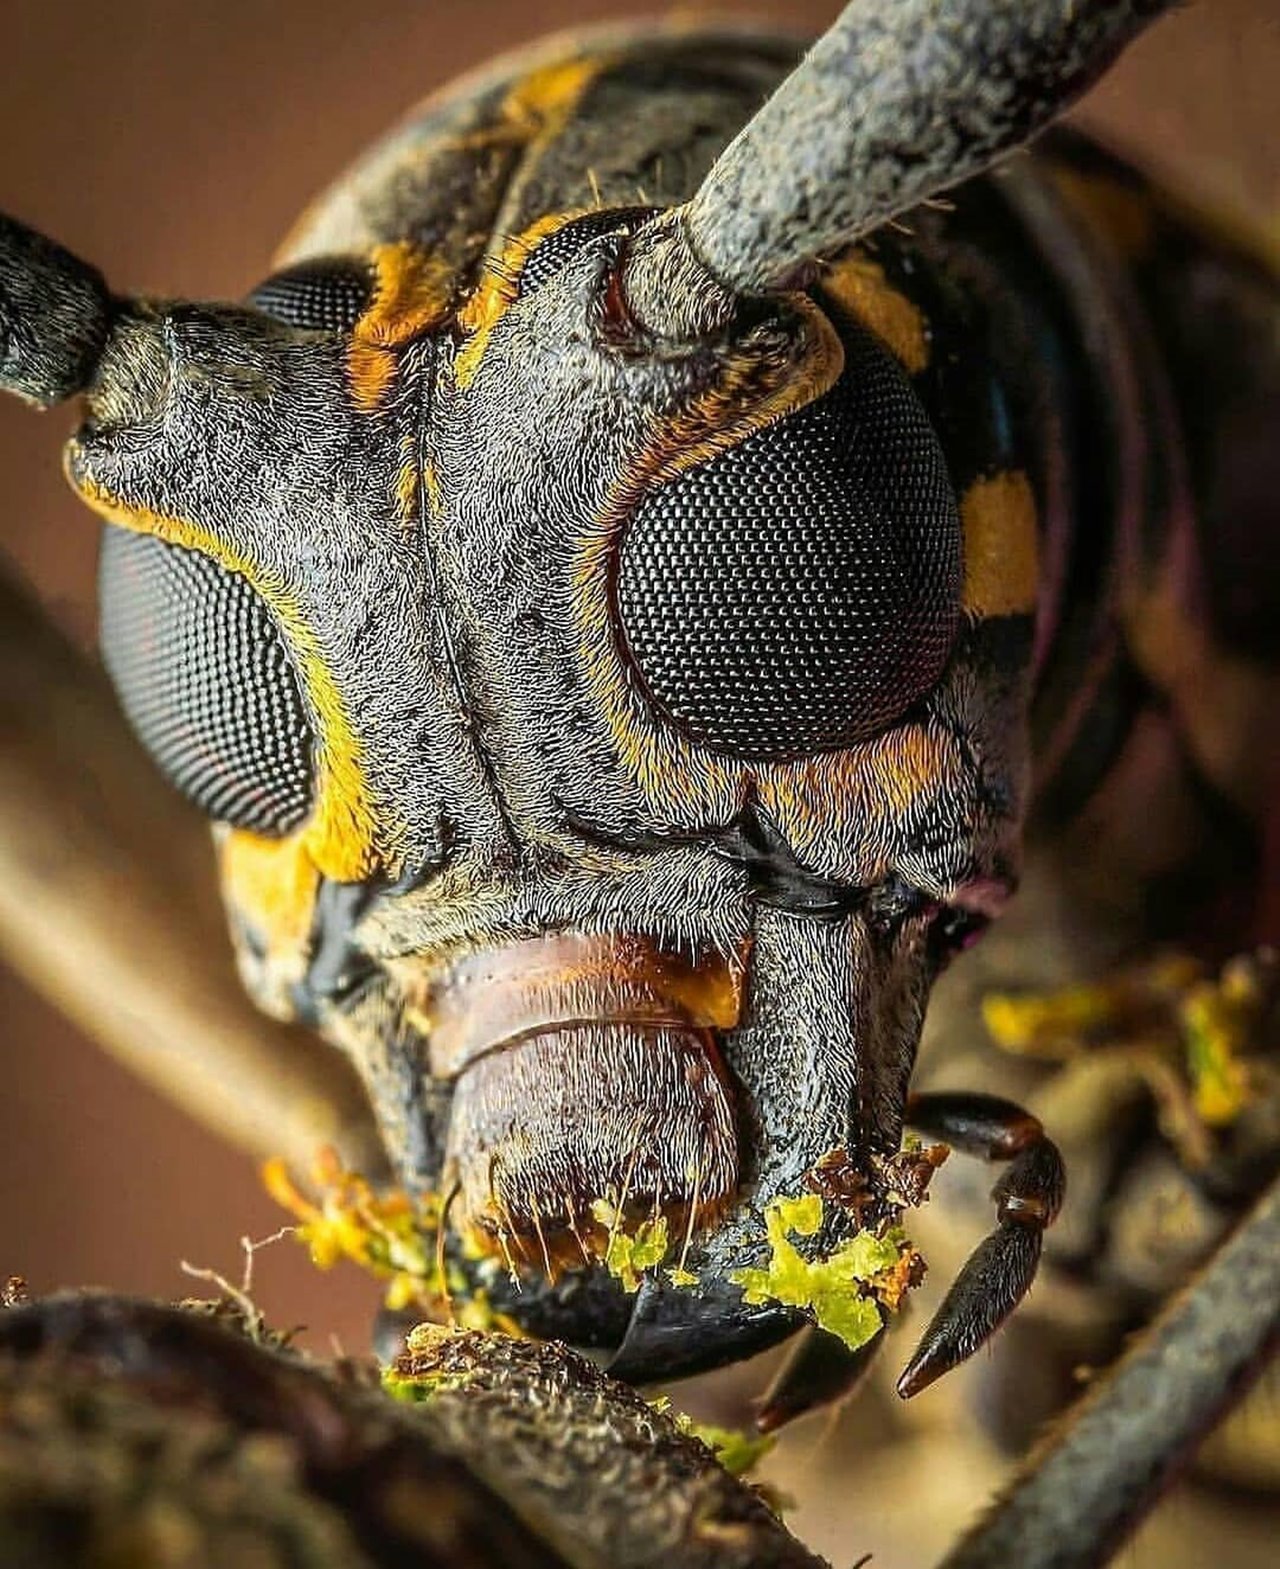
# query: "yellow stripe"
1001 546
435 494
271 885
538 107
495 294
412 292
859 286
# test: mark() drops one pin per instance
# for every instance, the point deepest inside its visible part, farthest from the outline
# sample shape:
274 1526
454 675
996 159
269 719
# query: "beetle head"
604 751
609 736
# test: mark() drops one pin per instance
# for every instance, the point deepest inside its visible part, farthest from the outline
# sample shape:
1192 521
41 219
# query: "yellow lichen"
628 1253
393 1237
737 1451
427 1379
389 1234
1035 1023
1195 1037
1216 1022
845 1290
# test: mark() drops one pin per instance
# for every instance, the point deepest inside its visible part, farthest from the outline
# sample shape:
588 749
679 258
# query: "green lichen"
844 1290
628 1253
1183 1028
1217 1021
419 1388
737 1451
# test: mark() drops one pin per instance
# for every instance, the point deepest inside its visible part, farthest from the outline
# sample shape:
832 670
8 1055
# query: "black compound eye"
329 295
548 256
206 681
798 592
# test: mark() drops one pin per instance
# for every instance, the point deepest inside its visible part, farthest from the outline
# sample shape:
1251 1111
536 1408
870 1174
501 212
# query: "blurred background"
173 144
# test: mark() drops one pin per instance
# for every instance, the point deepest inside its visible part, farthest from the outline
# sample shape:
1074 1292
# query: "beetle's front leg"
1001 1268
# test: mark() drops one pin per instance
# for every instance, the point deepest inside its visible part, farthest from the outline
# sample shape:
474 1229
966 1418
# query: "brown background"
172 143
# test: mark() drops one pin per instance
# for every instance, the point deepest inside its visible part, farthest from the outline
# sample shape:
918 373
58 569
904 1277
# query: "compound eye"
549 255
206 681
799 592
328 295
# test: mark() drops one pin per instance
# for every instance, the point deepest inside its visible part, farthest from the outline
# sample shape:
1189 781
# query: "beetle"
609 586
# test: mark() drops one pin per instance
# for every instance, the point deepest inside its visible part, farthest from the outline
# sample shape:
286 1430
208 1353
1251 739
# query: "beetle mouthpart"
54 312
564 1140
677 1331
591 1101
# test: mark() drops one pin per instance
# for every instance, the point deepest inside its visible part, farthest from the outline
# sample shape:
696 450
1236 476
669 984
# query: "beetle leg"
1001 1268
819 1370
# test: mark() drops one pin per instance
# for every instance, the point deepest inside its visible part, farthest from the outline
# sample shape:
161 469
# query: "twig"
497 1453
1086 1487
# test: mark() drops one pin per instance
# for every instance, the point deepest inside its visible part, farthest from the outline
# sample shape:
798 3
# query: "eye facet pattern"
329 295
800 591
550 254
206 681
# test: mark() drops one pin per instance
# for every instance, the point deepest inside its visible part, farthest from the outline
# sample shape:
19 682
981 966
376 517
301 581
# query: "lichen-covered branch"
596 1466
139 1433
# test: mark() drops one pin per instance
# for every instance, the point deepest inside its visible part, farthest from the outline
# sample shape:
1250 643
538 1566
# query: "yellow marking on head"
271 884
858 793
858 285
339 833
550 94
536 108
495 294
435 494
749 396
412 293
1001 546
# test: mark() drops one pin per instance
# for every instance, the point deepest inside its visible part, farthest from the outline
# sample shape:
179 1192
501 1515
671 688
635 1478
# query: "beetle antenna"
892 105
54 317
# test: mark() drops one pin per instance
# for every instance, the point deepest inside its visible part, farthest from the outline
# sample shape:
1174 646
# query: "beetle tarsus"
990 1286
1001 1268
